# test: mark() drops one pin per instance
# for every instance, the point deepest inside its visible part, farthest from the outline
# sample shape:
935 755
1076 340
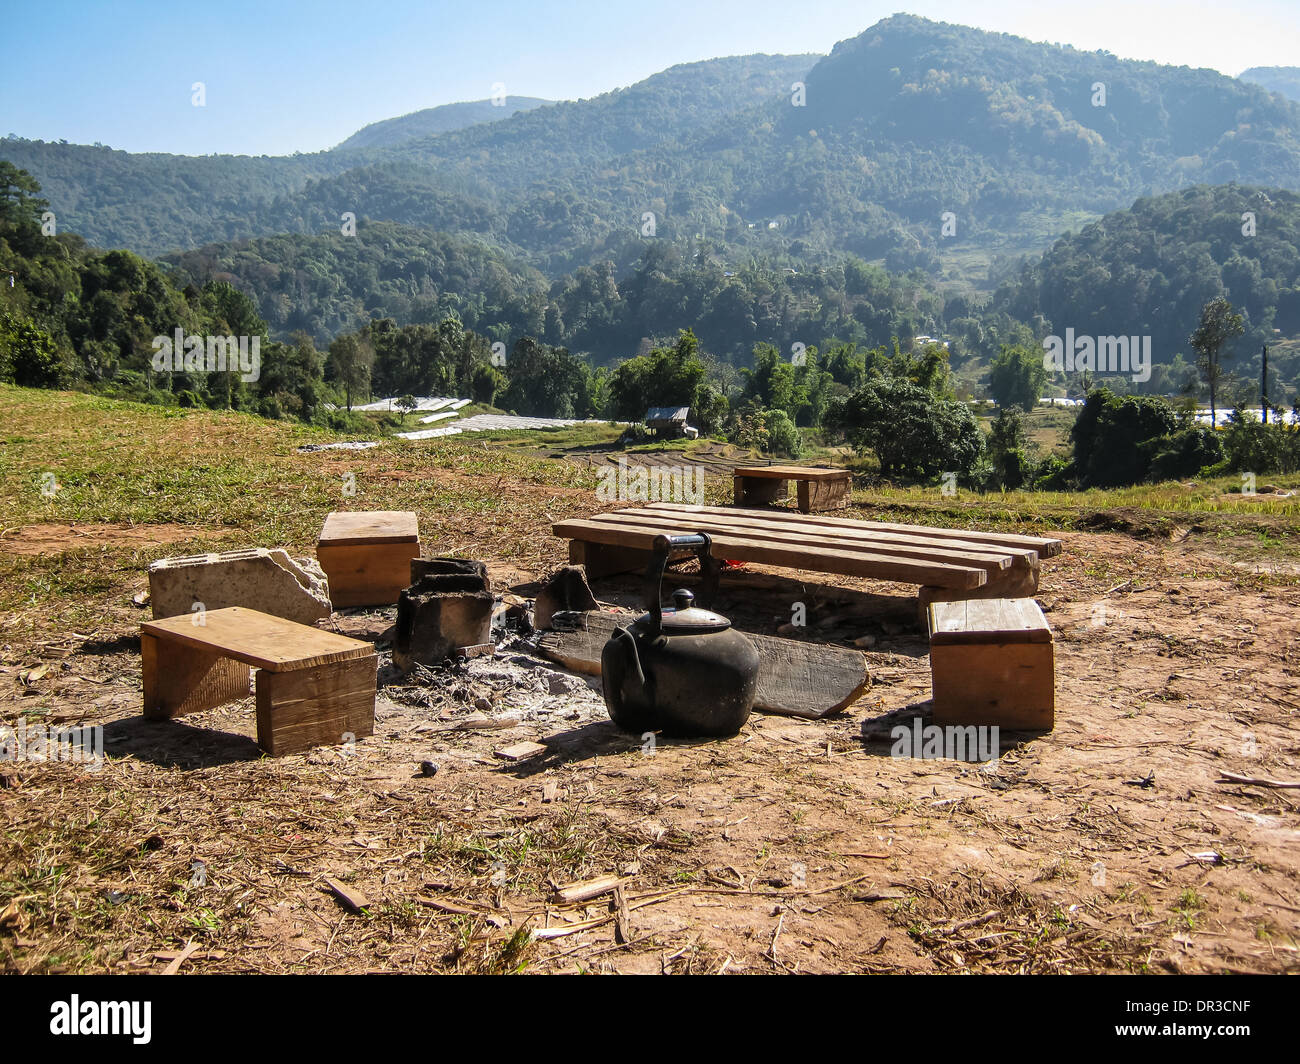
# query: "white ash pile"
508 687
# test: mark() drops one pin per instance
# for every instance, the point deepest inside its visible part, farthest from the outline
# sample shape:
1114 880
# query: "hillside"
156 203
1149 269
1285 80
431 121
909 120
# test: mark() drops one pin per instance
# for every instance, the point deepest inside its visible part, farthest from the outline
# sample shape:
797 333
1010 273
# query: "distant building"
669 421
921 341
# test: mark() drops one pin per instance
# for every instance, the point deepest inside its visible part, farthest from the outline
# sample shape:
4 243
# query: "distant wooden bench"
313 687
945 563
818 489
991 663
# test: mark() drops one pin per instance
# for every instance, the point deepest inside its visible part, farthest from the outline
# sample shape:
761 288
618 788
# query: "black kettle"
683 671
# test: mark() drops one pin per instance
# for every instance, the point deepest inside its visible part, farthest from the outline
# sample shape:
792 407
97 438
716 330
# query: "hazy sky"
294 75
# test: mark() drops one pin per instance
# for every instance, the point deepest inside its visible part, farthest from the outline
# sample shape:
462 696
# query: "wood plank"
1046 548
820 559
992 560
795 679
350 897
318 706
787 472
823 495
178 679
791 526
258 639
520 751
367 574
985 621
1010 685
355 528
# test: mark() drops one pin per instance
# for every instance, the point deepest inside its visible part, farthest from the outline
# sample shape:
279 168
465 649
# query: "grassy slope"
237 480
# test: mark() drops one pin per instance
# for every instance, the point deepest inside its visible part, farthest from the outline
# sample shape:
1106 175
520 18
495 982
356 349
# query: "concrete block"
257 578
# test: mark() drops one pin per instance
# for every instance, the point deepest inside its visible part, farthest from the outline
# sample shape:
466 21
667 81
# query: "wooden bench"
313 687
991 663
945 563
367 555
819 489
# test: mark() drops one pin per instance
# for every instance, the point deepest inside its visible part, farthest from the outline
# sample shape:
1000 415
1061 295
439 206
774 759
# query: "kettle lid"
685 618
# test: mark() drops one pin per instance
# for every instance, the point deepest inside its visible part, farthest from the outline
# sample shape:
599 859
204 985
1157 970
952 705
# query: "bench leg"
187 680
603 560
1011 685
1020 581
818 495
761 491
321 705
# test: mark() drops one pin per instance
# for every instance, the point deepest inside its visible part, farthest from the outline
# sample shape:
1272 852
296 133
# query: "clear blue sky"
292 75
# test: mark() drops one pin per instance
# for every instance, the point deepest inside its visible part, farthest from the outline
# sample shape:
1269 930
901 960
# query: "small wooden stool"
367 556
819 489
313 687
991 662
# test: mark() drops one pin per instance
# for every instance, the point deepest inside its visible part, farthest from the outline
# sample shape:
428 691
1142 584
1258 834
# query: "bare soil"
1105 845
53 539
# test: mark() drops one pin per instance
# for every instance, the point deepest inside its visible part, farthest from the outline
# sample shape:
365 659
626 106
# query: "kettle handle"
654 574
622 635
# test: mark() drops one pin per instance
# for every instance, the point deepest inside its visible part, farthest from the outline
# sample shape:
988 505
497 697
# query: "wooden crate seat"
312 687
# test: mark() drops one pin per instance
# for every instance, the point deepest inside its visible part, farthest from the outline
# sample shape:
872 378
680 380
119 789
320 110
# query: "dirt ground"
1105 845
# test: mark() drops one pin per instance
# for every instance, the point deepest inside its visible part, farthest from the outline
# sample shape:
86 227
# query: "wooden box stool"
991 662
819 489
313 687
367 556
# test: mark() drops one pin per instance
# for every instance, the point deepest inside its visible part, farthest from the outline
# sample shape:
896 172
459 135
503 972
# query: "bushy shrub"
1053 473
1109 436
1185 453
1009 464
1250 446
783 438
912 432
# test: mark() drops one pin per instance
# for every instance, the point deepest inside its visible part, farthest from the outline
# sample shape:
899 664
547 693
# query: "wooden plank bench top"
935 558
789 472
741 548
1043 547
363 527
984 621
258 639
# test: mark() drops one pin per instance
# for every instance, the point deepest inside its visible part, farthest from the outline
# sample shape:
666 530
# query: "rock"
559 684
257 578
428 768
566 590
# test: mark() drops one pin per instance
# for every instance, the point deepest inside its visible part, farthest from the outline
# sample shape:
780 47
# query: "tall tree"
1016 377
1219 324
351 357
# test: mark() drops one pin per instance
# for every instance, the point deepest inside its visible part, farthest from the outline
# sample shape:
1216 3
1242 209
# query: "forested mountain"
1147 271
1285 80
325 285
155 203
431 121
793 159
